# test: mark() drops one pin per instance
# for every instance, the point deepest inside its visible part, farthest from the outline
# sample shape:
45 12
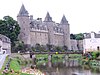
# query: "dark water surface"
67 68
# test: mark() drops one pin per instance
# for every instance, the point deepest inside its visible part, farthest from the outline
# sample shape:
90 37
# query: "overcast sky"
83 15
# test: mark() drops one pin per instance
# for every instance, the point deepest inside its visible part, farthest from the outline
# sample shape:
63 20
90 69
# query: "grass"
15 65
75 55
41 58
55 57
41 55
18 60
25 74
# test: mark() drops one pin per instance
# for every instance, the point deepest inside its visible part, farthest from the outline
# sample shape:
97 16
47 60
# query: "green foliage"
41 55
79 36
65 48
38 47
57 58
20 46
76 56
14 65
95 54
41 58
33 49
49 46
59 49
25 74
10 28
72 36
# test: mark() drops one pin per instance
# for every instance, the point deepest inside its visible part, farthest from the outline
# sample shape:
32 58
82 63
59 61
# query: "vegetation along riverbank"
18 64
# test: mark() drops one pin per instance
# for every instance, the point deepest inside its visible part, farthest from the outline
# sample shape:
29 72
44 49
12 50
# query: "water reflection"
66 67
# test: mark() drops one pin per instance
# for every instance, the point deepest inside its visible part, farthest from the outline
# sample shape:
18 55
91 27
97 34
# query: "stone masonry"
35 31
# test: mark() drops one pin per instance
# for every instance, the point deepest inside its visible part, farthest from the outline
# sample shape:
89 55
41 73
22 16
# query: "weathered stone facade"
5 45
43 32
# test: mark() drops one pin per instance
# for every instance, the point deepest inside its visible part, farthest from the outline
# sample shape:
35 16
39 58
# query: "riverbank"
21 64
91 58
17 66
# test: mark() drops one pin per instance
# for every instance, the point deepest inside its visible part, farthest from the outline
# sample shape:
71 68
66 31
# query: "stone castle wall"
35 31
40 37
58 39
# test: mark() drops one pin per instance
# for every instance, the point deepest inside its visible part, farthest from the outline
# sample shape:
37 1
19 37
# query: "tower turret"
23 11
48 18
66 29
48 21
64 20
24 23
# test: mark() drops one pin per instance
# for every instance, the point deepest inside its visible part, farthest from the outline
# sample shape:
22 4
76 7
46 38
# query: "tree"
20 46
79 36
10 28
38 47
65 48
58 48
49 47
72 36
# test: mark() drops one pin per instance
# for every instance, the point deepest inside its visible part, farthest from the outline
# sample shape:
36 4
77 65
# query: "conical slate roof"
23 11
64 20
48 18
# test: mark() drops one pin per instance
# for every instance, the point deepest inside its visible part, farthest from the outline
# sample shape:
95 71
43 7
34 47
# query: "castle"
35 31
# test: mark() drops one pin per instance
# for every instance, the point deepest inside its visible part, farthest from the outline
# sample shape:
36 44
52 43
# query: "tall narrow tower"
66 29
24 23
48 21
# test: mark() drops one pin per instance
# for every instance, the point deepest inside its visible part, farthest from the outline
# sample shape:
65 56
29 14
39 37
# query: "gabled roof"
64 20
48 18
23 11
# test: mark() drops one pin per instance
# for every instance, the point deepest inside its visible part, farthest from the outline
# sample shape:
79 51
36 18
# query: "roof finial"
48 18
23 11
64 20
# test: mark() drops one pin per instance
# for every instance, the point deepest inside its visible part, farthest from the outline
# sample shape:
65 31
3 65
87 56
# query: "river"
71 67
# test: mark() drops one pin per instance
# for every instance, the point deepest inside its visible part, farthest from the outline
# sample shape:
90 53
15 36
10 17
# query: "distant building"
91 41
35 31
5 45
76 44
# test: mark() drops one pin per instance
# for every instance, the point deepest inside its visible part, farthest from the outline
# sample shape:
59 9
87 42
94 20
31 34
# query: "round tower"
24 23
66 32
48 21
